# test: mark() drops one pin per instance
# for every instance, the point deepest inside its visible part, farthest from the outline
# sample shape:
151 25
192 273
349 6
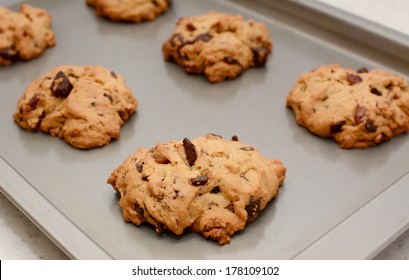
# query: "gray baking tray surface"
334 204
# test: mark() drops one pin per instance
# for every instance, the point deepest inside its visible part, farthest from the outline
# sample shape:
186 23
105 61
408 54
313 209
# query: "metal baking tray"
334 204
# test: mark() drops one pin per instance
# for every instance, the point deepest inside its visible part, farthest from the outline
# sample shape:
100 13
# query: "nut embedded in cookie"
220 46
213 186
129 10
358 108
84 105
24 35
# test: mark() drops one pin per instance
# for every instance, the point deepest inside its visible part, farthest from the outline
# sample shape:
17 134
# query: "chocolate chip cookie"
84 105
210 185
358 108
220 46
24 35
129 10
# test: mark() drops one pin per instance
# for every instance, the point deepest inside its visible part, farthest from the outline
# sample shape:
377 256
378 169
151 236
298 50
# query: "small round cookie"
129 10
84 105
210 185
24 35
358 108
220 46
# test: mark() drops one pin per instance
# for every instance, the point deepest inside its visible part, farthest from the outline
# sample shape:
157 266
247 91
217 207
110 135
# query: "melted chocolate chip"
230 60
259 56
337 127
252 210
247 149
215 190
234 138
161 159
8 54
362 70
190 27
33 102
199 180
230 207
205 37
113 74
177 40
375 91
353 79
61 85
359 116
108 96
176 195
370 126
190 151
138 209
139 167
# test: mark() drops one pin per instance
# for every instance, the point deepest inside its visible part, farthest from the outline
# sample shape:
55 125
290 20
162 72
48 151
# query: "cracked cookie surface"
210 185
24 35
129 10
358 108
220 46
84 105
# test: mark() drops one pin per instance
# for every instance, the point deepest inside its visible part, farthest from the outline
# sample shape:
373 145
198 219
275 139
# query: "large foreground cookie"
129 10
210 185
357 108
221 46
24 35
84 105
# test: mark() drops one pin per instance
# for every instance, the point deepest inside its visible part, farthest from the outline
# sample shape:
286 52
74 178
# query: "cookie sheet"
334 204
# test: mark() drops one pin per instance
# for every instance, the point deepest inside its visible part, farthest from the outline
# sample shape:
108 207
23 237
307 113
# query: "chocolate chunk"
8 54
205 37
108 96
370 126
375 91
190 27
190 151
33 102
362 70
359 116
61 85
252 210
234 138
353 79
199 180
247 149
113 74
259 56
215 190
337 127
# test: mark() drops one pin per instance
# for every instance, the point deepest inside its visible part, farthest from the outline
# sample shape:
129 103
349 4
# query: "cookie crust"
84 105
210 185
358 108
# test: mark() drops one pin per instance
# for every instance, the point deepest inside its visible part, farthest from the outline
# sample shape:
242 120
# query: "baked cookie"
358 108
221 46
129 10
84 105
210 185
24 35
